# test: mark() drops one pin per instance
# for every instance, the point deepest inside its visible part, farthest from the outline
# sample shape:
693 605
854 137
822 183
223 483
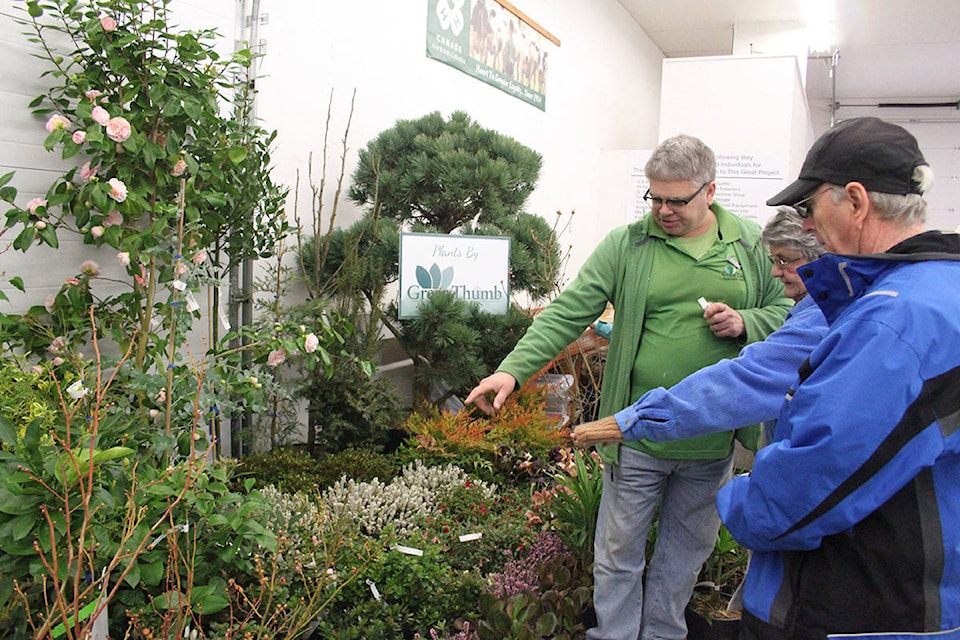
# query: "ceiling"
888 50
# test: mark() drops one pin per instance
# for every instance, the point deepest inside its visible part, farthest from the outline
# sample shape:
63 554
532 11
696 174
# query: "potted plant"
710 614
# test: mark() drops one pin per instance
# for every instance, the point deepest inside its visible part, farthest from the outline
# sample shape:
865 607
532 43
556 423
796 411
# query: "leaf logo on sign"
434 278
450 14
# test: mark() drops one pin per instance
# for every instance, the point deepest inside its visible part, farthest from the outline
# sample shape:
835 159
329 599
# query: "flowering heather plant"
521 574
399 504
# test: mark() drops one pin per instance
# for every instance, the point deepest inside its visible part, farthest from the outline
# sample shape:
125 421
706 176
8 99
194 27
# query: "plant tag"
192 304
410 551
179 285
374 590
703 303
224 322
467 537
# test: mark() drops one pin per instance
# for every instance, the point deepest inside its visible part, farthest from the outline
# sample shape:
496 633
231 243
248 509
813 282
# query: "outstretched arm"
730 394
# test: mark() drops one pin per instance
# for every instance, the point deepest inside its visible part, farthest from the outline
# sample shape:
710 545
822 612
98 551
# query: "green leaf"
8 431
34 10
8 194
23 524
133 576
17 282
49 236
151 573
5 178
237 154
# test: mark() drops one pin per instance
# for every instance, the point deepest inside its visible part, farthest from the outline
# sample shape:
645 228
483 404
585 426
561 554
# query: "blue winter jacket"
733 392
853 513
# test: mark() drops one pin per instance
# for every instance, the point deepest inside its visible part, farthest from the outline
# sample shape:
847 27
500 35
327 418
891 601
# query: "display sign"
474 268
492 41
745 180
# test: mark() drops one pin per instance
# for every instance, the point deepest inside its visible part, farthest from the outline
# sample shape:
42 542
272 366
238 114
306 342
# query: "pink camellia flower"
113 219
90 268
311 343
49 302
35 204
124 258
118 190
180 269
86 173
92 94
79 136
276 357
200 256
100 115
161 396
153 413
58 361
179 168
108 24
72 281
118 129
41 225
57 121
97 231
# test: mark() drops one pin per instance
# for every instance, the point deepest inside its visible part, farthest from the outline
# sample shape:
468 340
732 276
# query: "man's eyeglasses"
673 203
781 262
804 208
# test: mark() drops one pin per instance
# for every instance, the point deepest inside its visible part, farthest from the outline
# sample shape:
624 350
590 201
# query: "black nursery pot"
701 627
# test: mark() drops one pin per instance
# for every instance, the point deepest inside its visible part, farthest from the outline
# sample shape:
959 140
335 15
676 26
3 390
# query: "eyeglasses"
804 208
673 203
780 262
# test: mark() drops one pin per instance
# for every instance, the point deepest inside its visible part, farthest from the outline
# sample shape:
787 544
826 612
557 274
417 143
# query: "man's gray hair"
785 229
905 210
682 157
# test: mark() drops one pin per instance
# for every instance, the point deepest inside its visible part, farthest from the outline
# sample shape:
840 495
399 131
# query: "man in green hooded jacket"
690 284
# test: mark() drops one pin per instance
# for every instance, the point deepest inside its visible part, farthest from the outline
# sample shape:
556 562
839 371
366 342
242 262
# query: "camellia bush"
107 489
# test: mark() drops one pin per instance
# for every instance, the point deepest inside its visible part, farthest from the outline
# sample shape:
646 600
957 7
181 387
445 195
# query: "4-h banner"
473 268
484 39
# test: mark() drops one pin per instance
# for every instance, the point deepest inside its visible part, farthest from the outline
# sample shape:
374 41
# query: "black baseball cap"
879 155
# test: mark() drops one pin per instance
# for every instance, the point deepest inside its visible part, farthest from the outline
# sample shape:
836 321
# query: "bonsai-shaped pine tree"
446 176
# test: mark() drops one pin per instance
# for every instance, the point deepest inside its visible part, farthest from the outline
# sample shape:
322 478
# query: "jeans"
686 491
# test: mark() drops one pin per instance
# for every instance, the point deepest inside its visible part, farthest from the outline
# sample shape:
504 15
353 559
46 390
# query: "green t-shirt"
676 340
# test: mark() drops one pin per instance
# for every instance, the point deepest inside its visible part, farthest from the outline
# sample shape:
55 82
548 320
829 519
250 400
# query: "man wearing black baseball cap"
853 512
